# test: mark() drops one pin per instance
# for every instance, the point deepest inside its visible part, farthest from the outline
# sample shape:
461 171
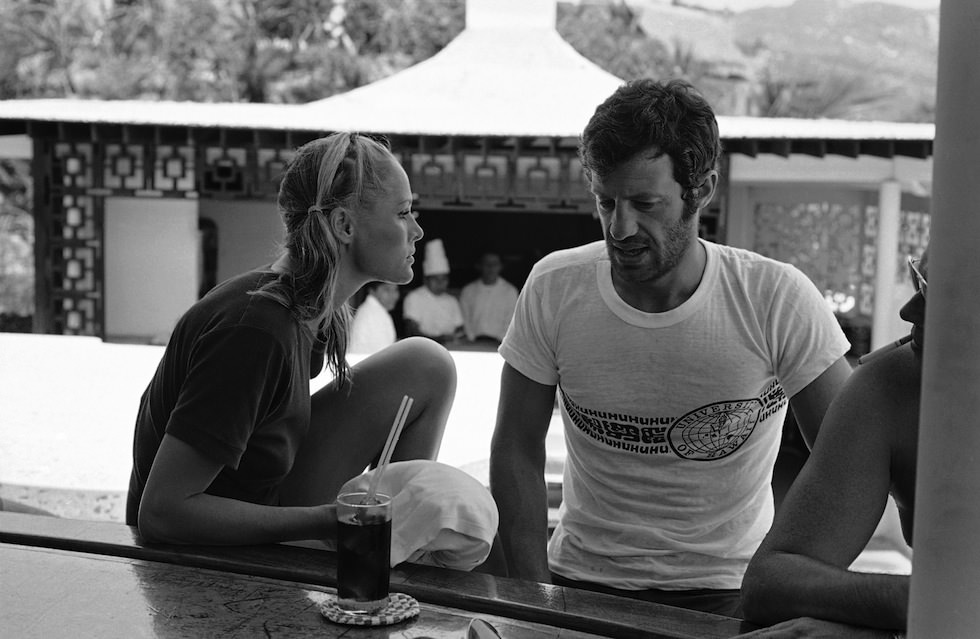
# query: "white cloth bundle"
440 515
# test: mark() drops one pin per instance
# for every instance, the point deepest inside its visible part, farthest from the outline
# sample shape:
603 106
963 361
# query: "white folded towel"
440 515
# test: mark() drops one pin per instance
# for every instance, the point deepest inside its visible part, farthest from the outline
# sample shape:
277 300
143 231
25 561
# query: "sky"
740 5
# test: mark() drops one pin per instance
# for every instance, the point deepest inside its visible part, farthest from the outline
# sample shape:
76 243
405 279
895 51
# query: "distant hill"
892 50
813 58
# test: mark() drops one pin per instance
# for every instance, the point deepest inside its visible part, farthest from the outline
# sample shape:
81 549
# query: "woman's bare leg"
349 426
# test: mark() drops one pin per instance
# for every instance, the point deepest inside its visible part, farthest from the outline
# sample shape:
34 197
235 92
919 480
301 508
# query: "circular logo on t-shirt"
714 431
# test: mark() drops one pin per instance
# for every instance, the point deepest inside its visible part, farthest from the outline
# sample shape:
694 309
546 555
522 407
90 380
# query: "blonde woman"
230 447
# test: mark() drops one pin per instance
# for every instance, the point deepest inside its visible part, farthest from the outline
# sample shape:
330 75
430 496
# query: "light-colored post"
889 224
945 591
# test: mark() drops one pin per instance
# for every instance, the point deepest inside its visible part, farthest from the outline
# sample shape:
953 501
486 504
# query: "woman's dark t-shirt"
234 383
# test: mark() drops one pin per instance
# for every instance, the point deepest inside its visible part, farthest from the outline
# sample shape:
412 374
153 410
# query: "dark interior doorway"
521 238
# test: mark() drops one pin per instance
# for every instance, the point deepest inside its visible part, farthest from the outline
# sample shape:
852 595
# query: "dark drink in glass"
363 552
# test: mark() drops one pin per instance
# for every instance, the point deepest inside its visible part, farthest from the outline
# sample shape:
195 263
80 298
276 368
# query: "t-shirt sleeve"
230 386
807 337
529 345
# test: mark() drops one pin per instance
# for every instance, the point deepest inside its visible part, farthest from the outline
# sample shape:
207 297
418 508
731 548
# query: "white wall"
16 146
249 234
151 265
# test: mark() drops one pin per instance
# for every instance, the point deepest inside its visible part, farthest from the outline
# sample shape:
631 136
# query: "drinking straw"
396 430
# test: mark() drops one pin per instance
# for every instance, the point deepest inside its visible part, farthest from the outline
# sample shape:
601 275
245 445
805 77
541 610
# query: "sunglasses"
918 280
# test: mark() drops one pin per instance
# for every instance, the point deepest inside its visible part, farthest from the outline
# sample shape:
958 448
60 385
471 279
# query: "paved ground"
67 406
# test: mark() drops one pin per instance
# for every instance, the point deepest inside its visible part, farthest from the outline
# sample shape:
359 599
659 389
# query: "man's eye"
647 206
605 205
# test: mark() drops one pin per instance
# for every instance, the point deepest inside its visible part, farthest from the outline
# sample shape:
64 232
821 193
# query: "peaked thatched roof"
508 73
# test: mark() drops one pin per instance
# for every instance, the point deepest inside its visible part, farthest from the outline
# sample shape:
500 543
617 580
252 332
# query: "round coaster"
400 607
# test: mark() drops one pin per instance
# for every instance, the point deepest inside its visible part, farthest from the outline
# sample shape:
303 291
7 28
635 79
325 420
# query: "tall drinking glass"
363 552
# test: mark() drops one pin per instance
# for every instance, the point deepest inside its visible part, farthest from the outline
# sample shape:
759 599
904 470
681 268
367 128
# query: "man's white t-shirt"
672 420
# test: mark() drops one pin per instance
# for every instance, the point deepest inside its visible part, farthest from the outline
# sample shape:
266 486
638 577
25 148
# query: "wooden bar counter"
73 578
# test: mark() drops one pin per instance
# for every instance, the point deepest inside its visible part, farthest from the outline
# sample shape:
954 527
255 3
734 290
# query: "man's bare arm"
810 404
517 458
827 518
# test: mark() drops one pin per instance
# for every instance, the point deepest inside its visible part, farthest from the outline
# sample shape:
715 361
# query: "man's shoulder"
883 396
894 375
739 259
754 271
577 257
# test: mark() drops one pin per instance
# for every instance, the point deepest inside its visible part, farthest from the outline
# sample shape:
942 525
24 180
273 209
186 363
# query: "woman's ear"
342 224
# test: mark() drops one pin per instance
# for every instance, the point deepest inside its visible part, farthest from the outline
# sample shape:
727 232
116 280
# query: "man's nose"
914 310
622 222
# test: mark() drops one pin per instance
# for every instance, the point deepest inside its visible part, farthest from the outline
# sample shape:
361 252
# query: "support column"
889 223
43 296
946 566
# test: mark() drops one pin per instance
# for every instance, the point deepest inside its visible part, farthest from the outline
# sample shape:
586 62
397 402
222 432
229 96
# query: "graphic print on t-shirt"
715 430
706 433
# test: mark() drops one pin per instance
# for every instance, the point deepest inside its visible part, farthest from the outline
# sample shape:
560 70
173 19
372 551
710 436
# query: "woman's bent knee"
425 357
416 366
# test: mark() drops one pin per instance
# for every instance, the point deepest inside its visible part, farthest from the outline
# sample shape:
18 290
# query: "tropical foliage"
214 50
16 241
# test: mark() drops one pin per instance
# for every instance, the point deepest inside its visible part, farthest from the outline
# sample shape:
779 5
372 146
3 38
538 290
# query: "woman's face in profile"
386 230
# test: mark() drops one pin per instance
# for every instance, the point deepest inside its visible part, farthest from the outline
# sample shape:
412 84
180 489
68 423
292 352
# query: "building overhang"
745 135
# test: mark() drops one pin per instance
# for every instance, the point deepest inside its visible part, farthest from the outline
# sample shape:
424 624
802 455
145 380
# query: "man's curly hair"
669 118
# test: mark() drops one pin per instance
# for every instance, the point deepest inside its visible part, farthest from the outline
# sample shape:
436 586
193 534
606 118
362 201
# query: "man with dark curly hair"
676 360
